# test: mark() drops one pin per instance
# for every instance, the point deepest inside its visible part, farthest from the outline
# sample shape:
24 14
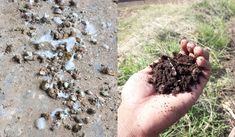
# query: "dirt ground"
21 99
229 65
125 3
228 93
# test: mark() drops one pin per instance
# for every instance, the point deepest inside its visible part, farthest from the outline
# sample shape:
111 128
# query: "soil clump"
175 74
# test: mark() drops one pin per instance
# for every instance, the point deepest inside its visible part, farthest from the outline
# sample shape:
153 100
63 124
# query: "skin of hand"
144 113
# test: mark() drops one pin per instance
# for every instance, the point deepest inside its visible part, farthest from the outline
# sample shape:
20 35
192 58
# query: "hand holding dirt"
146 113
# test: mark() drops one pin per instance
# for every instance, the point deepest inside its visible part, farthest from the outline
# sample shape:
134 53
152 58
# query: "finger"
183 46
206 74
199 51
203 63
148 70
190 47
191 55
206 53
154 62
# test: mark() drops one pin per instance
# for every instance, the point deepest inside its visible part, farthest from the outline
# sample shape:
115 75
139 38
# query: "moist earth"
175 74
58 60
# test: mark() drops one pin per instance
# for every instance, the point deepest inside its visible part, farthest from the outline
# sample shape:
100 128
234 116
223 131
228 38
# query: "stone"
76 128
17 58
104 93
90 111
45 85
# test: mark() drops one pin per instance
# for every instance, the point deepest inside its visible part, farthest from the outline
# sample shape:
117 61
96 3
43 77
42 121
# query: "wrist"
127 123
130 126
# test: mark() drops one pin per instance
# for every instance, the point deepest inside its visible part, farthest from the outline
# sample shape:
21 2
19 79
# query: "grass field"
147 31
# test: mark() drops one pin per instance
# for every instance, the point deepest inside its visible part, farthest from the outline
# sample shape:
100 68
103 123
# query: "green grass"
204 22
129 66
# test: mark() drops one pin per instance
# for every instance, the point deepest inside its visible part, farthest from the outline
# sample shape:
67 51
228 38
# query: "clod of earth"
9 48
175 74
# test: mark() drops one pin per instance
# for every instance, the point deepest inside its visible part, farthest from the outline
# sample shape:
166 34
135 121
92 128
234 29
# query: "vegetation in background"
205 23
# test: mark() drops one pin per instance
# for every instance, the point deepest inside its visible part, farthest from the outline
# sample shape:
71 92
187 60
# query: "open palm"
143 112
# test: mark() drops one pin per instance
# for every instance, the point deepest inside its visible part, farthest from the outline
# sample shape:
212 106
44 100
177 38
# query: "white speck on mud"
90 28
57 20
41 123
46 53
63 95
2 111
69 65
76 106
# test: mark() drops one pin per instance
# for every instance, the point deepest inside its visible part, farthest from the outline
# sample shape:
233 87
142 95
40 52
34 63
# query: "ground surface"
148 31
125 3
21 99
229 63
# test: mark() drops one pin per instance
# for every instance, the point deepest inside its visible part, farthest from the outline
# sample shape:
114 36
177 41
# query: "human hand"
144 113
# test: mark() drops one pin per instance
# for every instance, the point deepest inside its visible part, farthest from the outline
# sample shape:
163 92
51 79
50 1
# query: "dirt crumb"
9 48
175 74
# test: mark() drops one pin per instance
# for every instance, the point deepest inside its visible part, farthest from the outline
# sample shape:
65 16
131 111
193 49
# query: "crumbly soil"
23 102
175 74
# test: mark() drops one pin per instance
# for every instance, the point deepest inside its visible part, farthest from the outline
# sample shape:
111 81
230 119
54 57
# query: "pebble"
88 92
17 58
46 116
45 18
104 69
76 118
93 40
67 126
76 128
82 93
61 115
104 93
85 120
28 56
66 85
92 101
8 48
73 97
105 47
59 2
75 76
72 3
45 85
90 111
57 11
43 71
52 93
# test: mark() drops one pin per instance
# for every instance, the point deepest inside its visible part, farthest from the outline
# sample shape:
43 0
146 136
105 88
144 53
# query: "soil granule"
175 74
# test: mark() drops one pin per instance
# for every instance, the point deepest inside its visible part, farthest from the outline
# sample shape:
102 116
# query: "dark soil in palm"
175 74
